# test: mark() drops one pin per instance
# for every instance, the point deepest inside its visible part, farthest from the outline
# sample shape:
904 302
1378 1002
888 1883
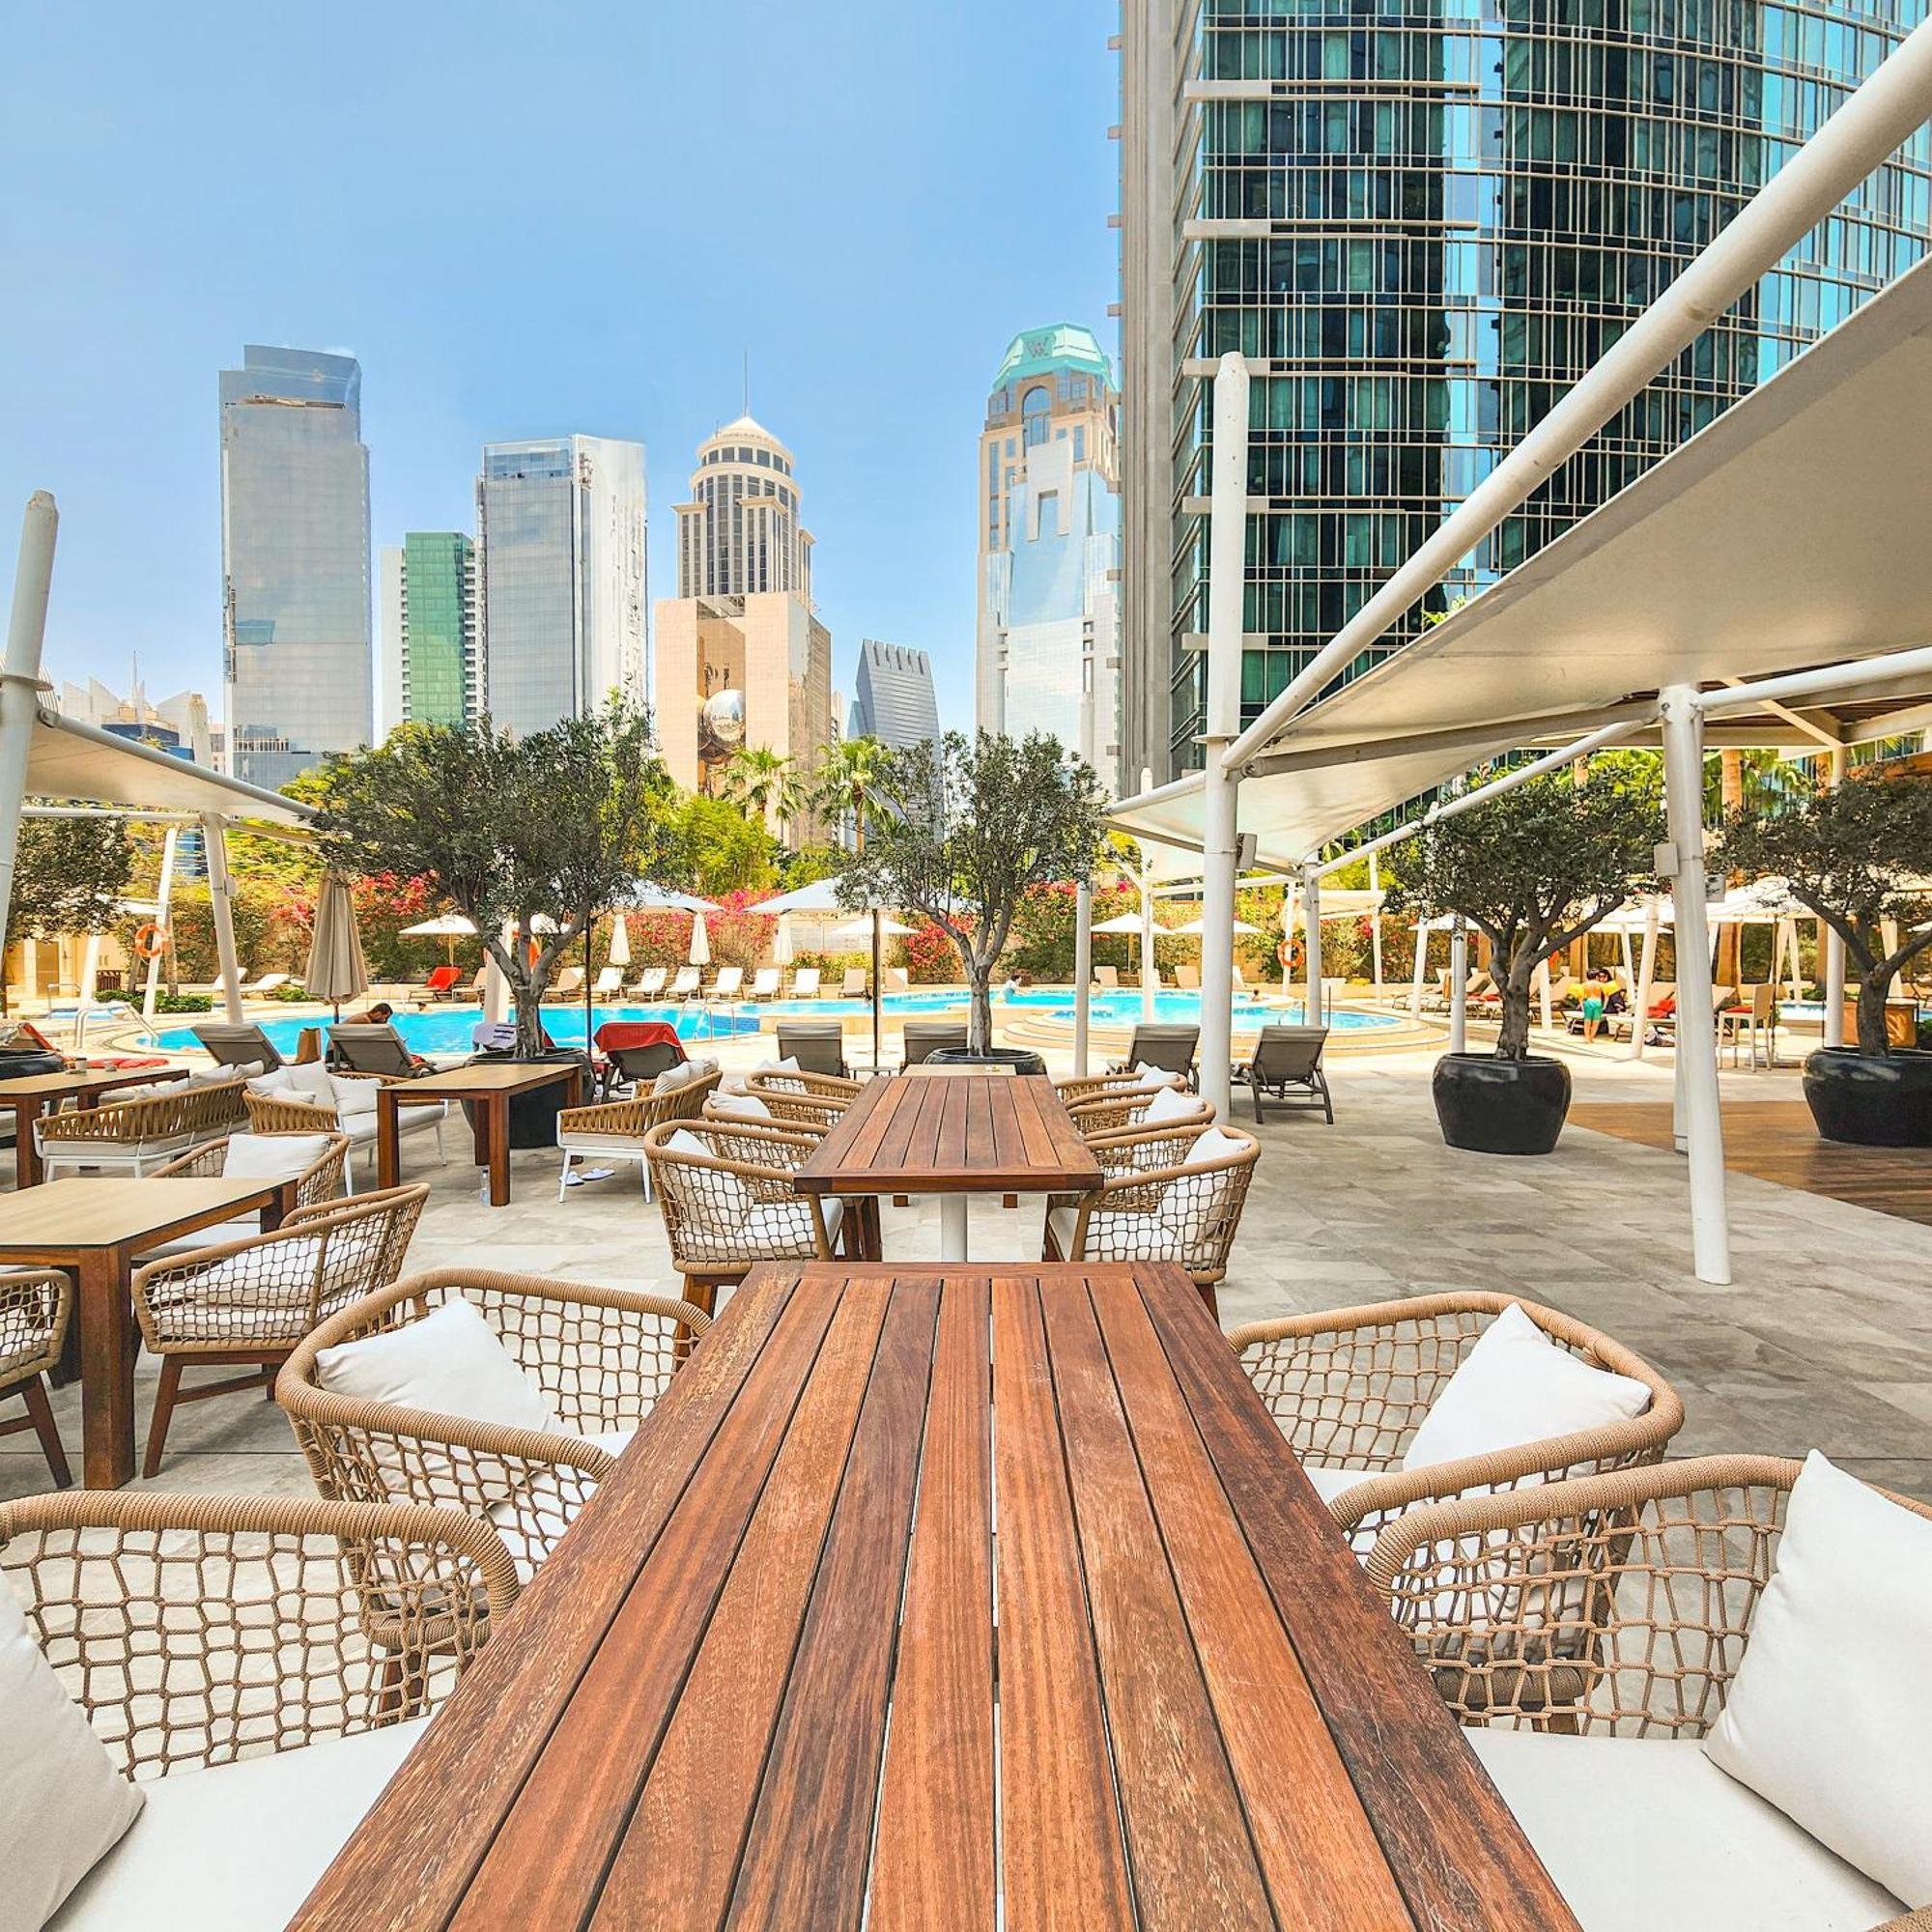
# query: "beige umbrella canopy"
336 969
620 942
448 927
701 941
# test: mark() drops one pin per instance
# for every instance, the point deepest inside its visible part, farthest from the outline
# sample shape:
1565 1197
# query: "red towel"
616 1034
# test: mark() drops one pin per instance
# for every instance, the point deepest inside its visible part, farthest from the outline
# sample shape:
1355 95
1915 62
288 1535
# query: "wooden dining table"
953 1135
34 1094
487 1087
945 1599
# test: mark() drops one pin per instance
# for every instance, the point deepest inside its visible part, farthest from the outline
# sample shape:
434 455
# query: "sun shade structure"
336 969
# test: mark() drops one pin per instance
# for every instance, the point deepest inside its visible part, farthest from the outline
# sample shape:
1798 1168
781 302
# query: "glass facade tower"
433 667
1420 226
295 562
893 700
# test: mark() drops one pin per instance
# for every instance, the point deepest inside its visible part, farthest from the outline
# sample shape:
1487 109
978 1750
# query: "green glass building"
1420 222
432 649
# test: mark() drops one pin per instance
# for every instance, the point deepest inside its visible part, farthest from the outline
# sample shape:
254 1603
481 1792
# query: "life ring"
1284 954
150 941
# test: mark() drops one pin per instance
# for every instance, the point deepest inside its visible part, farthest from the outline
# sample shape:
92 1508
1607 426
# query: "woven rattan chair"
136 1137
1123 1110
1615 1607
1157 1205
318 1181
1090 1088
825 1091
615 1130
36 1305
293 1113
602 1356
196 1633
734 1204
1349 1387
248 1303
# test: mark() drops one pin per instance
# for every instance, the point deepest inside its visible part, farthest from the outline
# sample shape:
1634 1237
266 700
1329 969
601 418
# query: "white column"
1543 994
1834 947
1459 986
20 678
1310 941
1696 1036
1083 972
164 893
220 895
1421 966
1375 932
90 972
1147 944
1646 973
1227 576
496 982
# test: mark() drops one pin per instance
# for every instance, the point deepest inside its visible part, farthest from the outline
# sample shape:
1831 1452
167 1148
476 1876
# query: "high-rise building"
742 658
893 696
1049 645
177 725
1419 232
295 561
434 668
561 532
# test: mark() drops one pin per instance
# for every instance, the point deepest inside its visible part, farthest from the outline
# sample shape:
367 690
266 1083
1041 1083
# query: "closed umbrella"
620 942
701 941
782 946
336 969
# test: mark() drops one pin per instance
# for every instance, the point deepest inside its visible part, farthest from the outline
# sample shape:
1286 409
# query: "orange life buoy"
149 941
1284 954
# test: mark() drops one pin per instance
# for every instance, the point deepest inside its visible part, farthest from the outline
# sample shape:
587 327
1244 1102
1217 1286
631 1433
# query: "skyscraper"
742 658
1049 648
1419 232
295 561
434 668
561 529
893 697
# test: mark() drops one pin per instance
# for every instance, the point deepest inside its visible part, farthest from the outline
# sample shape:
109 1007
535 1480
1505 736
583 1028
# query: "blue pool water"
447 1029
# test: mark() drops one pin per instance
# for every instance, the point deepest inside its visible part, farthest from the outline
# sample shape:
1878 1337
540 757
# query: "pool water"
447 1029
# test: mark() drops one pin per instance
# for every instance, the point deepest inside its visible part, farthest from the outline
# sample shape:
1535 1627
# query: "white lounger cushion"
1514 1386
449 1363
238 1847
1646 1835
1830 1715
62 1803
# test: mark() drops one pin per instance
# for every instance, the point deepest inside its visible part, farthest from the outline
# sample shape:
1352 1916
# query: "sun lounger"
1285 1057
609 984
649 984
729 983
805 984
685 986
1107 978
854 986
766 984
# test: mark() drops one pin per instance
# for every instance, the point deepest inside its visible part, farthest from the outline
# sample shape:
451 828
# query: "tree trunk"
979 1014
1872 990
1730 938
1513 1040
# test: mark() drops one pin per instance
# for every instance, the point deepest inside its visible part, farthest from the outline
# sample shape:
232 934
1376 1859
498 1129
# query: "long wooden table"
33 1094
488 1086
781 1672
95 1229
954 1136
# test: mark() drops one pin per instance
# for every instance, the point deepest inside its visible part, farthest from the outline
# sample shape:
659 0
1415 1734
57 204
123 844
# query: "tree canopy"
70 876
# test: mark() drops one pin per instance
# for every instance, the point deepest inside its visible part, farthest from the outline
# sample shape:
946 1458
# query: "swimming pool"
447 1029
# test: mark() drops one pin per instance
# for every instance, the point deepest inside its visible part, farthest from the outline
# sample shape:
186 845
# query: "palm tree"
856 775
765 782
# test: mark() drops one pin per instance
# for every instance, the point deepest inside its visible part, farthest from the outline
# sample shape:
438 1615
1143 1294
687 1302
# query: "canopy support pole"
20 678
1459 986
1375 932
1149 972
163 892
90 974
878 997
1696 1024
1311 943
1834 947
221 900
1421 963
1645 976
1083 973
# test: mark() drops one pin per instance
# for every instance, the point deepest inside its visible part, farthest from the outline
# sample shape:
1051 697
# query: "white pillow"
735 1083
1830 1715
1213 1145
1169 1104
275 1081
314 1080
63 1806
721 1200
1156 1075
352 1096
670 1080
1514 1386
270 1156
703 1065
745 1105
450 1363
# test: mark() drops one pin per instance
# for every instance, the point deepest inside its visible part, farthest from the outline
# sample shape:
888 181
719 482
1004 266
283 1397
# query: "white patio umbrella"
647 895
1196 927
873 928
782 949
336 969
450 926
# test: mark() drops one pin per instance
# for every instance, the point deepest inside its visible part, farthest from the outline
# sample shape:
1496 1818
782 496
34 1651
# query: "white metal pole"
1459 986
1834 947
20 678
220 895
1083 973
1149 972
89 973
1645 973
1227 580
1421 965
1696 1024
163 895
1375 932
1317 1013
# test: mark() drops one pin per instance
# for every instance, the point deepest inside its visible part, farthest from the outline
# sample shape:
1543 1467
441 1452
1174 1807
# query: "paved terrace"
1824 1340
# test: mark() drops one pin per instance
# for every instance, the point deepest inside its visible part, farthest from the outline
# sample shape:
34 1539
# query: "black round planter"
1022 1060
1501 1106
533 1113
17 1062
1871 1100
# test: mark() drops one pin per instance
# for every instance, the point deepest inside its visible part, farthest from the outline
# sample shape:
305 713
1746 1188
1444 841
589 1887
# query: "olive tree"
1860 857
1534 869
70 876
512 831
972 825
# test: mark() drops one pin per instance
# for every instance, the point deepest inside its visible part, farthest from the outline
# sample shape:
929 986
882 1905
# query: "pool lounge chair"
445 983
1107 978
924 1036
729 983
818 1046
1188 979
1285 1057
855 985
805 984
243 1045
897 979
373 1049
609 984
567 982
686 985
765 983
649 984
1167 1046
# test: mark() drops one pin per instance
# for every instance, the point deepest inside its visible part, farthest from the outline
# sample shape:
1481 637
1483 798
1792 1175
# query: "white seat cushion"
718 1199
747 1105
270 1156
1171 1103
1150 1076
1830 1715
604 1141
238 1847
1646 1833
534 1526
780 1225
449 1363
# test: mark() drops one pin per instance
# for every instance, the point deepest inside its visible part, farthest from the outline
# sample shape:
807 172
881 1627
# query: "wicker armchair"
292 1114
249 1303
1159 1205
1075 1093
1594 1614
734 1205
1124 1111
221 1635
320 1181
601 1357
35 1307
827 1090
136 1137
1349 1387
615 1130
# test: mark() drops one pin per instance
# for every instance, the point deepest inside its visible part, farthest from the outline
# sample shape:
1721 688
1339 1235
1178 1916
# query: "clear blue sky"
531 219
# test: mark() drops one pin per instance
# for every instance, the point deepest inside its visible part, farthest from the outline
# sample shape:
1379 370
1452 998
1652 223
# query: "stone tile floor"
1823 1340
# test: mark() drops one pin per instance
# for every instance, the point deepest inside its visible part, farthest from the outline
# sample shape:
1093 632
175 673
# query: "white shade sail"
445 926
1196 927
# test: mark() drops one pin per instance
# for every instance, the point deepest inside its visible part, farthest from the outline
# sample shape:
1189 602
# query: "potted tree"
972 826
527 837
1534 869
1860 857
68 876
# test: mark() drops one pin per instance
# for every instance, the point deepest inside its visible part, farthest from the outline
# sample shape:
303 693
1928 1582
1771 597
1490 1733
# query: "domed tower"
739 535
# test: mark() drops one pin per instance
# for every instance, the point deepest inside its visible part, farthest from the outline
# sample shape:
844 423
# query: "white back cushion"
718 1199
1514 1386
271 1156
1169 1104
747 1105
734 1083
1213 1145
670 1079
1830 1715
352 1096
1156 1075
314 1080
62 1803
449 1362
275 1080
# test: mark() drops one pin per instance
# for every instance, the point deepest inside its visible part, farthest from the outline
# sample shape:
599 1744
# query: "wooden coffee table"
95 1229
489 1087
33 1094
955 1137
760 1682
